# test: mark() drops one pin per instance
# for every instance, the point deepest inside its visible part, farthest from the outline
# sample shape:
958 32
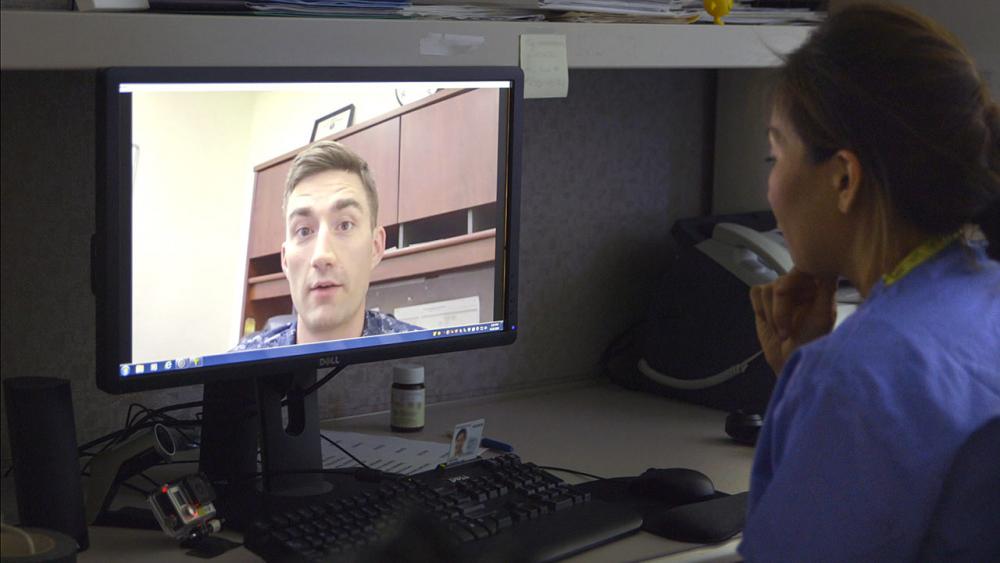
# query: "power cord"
329 375
28 541
623 341
139 490
341 448
150 480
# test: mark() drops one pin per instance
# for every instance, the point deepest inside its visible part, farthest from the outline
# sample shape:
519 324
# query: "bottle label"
407 408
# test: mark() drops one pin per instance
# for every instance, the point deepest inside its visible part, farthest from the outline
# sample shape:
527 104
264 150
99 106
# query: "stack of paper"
339 8
769 16
385 453
628 7
600 17
622 11
473 12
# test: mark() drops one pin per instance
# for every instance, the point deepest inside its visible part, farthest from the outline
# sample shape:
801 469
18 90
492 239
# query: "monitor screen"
254 221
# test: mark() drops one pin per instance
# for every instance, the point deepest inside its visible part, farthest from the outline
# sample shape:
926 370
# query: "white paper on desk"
543 60
385 453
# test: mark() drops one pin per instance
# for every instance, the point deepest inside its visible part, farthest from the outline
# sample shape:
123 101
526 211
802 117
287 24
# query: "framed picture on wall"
333 122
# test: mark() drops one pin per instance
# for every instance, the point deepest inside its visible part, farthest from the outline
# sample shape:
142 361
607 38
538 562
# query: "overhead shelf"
75 40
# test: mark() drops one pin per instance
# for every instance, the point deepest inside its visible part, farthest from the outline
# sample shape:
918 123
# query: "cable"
618 344
330 375
573 471
128 413
696 384
161 412
144 418
139 424
136 489
148 478
185 435
24 535
341 448
312 388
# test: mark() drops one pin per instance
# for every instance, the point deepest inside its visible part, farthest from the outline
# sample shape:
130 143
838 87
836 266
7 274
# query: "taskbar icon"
471 329
184 363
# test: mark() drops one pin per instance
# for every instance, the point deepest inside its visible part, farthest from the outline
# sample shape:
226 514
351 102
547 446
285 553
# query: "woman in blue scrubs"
885 145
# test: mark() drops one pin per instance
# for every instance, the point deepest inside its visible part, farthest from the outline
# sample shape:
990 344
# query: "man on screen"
332 243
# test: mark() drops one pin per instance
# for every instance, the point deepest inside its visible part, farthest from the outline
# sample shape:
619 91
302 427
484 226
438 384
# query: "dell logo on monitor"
330 361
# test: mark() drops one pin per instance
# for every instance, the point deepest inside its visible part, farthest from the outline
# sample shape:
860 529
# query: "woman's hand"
794 309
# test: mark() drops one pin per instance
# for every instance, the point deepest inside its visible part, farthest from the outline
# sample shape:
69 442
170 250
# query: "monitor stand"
291 454
281 412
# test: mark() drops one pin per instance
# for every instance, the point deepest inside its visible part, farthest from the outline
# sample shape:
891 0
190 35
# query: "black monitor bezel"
111 252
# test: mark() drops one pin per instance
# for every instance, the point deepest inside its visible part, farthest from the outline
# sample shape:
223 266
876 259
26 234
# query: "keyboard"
497 509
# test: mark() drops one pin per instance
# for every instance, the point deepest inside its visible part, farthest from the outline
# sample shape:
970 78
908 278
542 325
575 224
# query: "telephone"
699 340
754 257
758 258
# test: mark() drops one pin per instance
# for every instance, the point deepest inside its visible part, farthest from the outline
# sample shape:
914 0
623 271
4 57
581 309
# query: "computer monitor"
258 224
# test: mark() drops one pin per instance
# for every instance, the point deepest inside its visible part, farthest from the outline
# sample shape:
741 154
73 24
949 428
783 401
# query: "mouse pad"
713 520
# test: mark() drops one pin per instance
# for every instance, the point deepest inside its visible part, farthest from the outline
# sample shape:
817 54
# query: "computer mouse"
673 486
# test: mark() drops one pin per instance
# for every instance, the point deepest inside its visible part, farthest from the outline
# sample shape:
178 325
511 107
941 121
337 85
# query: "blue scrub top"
864 423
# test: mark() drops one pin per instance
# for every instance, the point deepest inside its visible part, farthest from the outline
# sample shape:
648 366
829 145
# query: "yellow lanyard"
918 256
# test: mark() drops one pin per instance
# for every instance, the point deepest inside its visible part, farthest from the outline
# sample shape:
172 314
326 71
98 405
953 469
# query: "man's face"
330 250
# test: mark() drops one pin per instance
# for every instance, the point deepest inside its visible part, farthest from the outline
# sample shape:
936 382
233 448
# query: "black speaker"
46 465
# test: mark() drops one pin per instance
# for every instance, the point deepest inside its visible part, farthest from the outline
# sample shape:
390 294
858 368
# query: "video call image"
274 215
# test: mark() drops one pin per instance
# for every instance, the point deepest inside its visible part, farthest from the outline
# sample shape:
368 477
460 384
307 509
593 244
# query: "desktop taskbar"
179 364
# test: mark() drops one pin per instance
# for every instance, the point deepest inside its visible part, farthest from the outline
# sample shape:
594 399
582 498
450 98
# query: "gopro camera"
184 509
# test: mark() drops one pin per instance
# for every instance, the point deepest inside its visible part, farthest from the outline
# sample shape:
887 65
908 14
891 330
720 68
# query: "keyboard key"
490 524
461 533
504 520
479 530
473 510
297 545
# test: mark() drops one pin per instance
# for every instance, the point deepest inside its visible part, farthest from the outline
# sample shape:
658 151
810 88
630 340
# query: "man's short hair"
331 155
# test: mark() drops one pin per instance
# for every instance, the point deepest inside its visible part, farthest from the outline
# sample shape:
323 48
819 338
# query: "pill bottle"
407 401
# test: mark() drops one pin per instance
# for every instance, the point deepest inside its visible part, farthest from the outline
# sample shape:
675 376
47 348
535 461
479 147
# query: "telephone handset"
758 258
769 251
752 256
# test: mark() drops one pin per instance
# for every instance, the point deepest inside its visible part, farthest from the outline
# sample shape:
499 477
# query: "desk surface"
596 428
